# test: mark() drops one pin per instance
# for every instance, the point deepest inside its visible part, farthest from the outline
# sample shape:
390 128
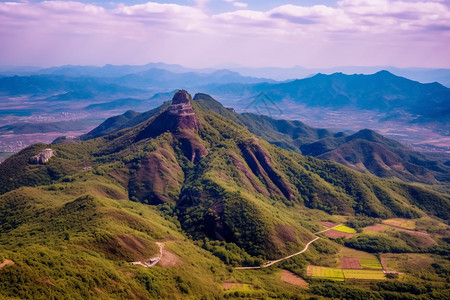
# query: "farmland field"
370 263
405 223
343 228
364 274
325 273
291 278
334 234
349 252
328 224
408 262
350 263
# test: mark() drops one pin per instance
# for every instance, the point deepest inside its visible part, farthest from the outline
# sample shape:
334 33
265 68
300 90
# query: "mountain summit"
180 116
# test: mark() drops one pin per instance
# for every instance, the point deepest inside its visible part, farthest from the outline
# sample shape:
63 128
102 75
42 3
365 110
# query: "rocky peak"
181 105
180 116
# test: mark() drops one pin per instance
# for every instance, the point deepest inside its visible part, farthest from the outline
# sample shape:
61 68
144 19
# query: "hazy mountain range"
99 92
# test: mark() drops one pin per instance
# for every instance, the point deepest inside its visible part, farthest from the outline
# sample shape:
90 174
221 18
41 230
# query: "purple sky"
214 33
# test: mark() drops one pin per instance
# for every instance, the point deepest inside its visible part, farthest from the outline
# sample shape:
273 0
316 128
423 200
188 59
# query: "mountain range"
382 92
189 176
365 151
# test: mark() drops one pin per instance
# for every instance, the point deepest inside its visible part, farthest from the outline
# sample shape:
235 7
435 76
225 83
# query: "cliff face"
42 158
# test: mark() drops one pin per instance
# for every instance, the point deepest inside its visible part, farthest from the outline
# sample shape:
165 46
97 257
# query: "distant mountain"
423 75
74 83
61 126
166 79
61 88
112 71
382 91
385 158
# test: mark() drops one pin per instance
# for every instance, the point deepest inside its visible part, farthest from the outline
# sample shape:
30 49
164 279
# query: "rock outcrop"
181 120
178 117
42 157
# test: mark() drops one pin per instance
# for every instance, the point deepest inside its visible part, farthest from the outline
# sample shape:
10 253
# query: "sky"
220 33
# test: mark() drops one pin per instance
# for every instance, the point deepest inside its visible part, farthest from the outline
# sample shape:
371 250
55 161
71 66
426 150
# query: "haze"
225 33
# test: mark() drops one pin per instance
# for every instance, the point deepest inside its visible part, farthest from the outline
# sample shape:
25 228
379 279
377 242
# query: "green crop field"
364 274
370 263
343 228
326 273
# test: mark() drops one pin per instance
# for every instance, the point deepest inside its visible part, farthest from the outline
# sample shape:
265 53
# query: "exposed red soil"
383 262
260 163
249 179
328 224
286 233
377 227
229 285
6 262
159 174
291 278
169 259
108 192
350 263
334 234
121 177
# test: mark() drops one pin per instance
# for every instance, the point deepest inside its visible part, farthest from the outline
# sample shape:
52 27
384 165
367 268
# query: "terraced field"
370 263
364 274
325 273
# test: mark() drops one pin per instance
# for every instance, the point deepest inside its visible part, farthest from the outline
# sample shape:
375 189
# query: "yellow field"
343 228
364 274
325 273
370 263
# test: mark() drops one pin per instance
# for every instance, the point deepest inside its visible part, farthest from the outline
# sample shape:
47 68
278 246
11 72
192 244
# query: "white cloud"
288 30
240 4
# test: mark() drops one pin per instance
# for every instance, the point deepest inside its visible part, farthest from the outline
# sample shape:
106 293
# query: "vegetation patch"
325 273
363 274
343 228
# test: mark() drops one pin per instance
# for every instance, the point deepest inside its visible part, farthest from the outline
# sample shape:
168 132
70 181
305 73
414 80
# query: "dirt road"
271 262
153 261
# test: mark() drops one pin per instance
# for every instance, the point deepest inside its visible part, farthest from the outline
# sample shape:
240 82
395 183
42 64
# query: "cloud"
240 4
179 33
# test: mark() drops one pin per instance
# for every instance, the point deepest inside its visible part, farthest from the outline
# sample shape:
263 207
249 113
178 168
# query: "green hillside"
213 193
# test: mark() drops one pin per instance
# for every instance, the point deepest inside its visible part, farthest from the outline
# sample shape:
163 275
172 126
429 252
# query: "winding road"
271 262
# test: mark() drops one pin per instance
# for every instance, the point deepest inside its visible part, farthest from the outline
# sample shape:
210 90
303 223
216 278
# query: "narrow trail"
152 261
271 262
